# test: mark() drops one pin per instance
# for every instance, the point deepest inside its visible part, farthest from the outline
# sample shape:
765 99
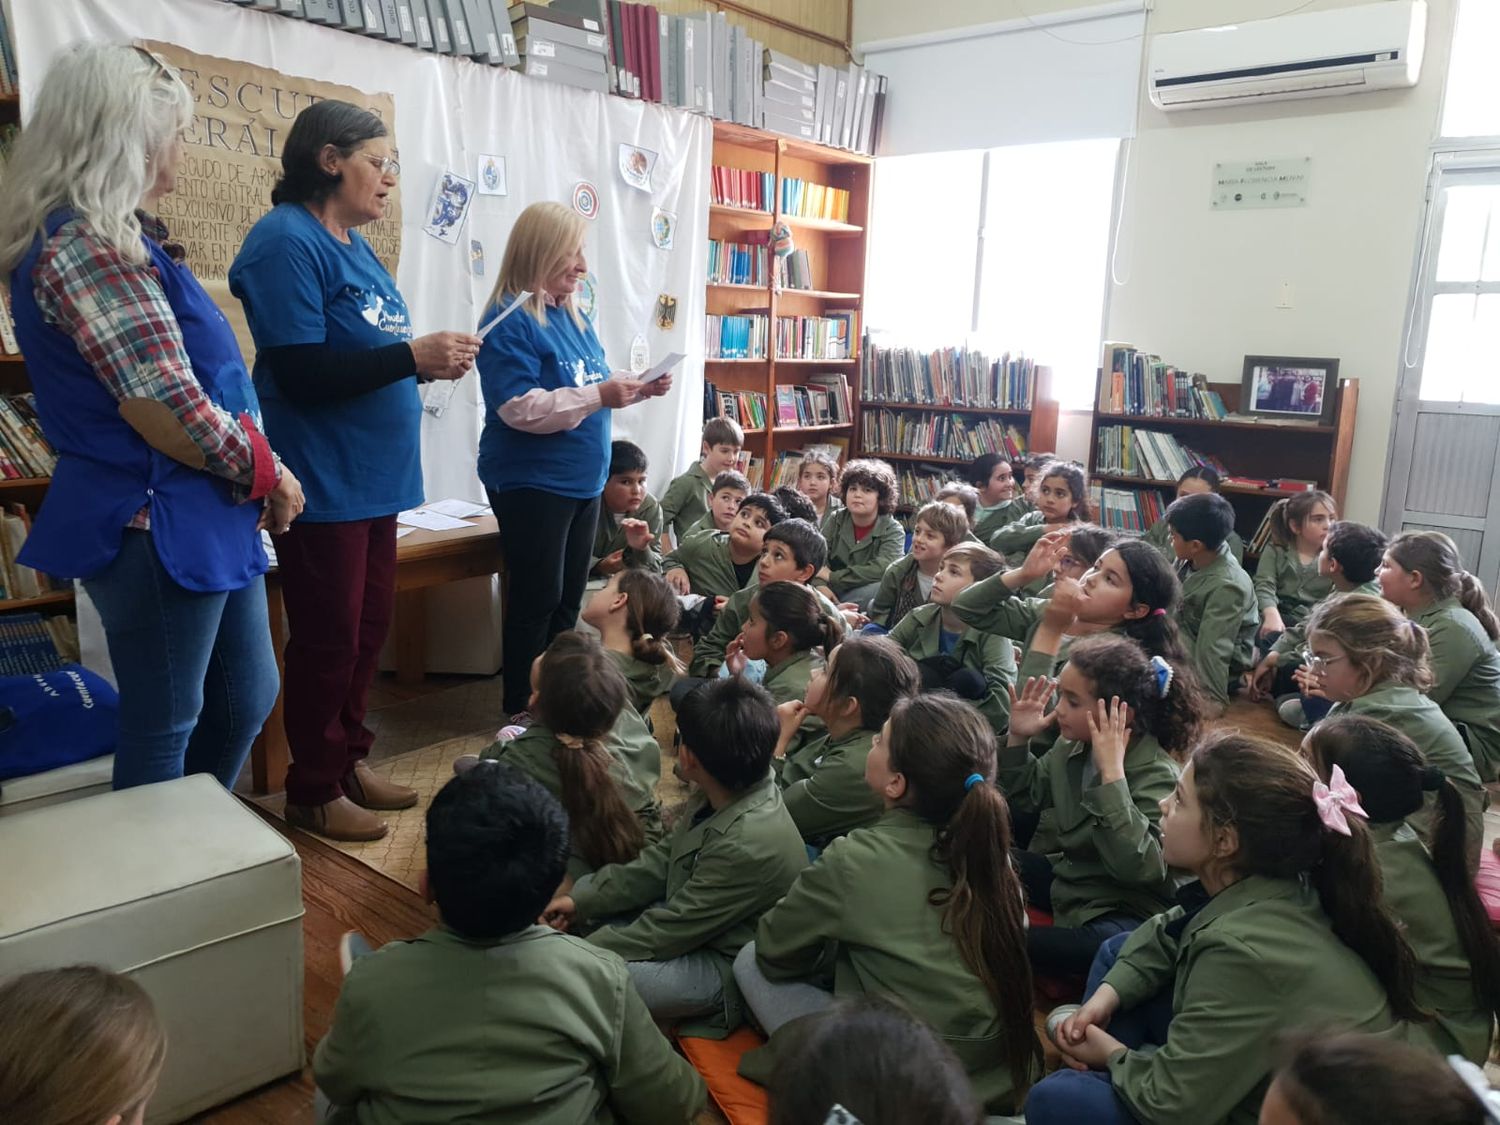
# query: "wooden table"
423 559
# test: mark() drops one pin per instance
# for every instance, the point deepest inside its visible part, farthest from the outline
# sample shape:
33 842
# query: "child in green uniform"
1282 931
863 537
1001 499
1431 894
717 563
1218 616
786 626
418 1035
577 697
976 666
1123 722
823 778
1062 498
907 582
634 613
1200 478
1423 577
964 497
686 500
733 853
1288 581
725 496
1372 661
922 906
818 480
629 530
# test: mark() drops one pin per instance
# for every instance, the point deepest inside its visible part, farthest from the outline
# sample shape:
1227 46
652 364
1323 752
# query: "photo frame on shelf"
1290 388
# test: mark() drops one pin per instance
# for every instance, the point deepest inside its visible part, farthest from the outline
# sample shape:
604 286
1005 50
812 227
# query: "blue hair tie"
1163 673
972 780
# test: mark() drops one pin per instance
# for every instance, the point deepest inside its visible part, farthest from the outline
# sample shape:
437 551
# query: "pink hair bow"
1335 800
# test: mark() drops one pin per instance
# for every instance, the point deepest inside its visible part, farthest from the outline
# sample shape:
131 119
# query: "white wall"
1199 287
890 19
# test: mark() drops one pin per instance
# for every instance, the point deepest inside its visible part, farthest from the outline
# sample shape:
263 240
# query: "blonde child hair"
1377 637
946 520
545 236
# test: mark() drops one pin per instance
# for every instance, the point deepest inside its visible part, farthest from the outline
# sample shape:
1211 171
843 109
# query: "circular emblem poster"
586 199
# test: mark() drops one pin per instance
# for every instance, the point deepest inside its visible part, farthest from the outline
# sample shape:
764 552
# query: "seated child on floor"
629 530
922 906
1062 498
1002 500
789 627
1086 543
686 500
907 582
1288 579
1283 931
1218 618
698 893
823 776
489 1016
798 507
1200 478
717 563
78 1046
725 496
1123 723
964 497
974 665
863 537
818 480
577 697
634 613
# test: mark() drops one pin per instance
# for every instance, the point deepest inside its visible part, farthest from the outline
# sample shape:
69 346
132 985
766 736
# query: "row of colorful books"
804 200
16 579
1128 509
24 451
740 187
31 643
961 377
8 342
793 271
748 408
1130 452
788 464
737 263
822 401
920 484
958 437
830 336
1133 382
736 337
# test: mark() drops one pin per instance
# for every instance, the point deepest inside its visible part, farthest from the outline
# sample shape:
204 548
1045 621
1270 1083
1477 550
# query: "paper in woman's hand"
661 368
505 312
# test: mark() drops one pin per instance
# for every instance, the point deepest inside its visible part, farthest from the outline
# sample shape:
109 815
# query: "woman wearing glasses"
163 479
336 368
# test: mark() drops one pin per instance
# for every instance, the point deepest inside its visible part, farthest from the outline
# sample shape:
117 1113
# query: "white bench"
68 783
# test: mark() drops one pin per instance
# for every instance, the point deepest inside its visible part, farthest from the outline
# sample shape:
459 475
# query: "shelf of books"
784 313
931 413
1153 421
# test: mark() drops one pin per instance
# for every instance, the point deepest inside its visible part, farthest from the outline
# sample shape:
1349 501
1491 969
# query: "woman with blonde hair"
78 1046
544 452
163 478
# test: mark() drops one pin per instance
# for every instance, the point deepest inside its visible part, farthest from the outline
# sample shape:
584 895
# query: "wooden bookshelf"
836 256
1263 449
29 492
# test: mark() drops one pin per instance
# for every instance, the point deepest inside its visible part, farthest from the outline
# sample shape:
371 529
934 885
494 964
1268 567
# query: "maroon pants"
339 581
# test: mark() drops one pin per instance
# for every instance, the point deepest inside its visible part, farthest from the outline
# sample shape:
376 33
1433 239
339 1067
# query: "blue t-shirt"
520 355
948 641
359 457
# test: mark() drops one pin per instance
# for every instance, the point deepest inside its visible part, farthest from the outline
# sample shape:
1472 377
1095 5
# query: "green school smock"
834 505
862 915
1260 958
1444 985
702 887
1110 838
534 1028
609 537
993 607
989 654
1019 536
708 651
1423 721
854 563
1283 580
705 557
1159 535
531 752
645 681
1294 638
1218 620
987 521
1466 675
685 501
895 576
823 785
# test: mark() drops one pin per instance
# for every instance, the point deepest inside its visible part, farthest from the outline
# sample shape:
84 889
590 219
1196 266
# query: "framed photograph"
1292 388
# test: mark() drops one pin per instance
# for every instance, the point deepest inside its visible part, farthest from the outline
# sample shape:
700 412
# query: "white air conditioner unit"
1310 55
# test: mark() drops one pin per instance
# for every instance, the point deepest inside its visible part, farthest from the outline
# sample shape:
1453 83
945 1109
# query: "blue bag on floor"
55 719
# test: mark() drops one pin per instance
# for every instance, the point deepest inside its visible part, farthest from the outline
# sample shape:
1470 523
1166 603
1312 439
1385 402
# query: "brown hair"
1381 642
723 431
813 457
984 562
875 475
1078 486
876 673
966 494
946 520
651 612
1392 778
1265 793
1086 544
1351 1079
1287 514
793 609
1118 666
938 742
580 694
1435 557
77 1046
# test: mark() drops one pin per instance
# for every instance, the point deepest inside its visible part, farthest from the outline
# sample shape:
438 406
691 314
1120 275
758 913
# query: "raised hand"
734 656
637 534
1109 735
1062 608
1044 555
791 713
1028 711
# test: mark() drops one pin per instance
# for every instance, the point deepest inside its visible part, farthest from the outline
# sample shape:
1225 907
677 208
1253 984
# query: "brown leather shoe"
341 819
369 790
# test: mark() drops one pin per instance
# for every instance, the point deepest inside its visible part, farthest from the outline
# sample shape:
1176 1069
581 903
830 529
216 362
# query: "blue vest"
106 472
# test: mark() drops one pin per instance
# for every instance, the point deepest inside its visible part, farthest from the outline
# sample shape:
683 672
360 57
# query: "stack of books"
754 469
958 377
31 644
830 336
559 44
1262 537
1136 383
805 200
788 464
1128 509
24 451
1129 452
952 437
8 341
841 107
740 187
920 484
789 102
739 263
736 337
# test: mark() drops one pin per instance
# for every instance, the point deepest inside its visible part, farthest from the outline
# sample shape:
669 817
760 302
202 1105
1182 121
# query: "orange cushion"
718 1060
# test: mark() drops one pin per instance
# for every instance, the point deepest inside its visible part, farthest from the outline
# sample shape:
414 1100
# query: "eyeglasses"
1318 665
384 163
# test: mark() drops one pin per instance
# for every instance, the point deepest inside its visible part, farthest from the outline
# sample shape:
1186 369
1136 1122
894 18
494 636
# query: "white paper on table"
661 368
430 521
402 531
505 312
458 509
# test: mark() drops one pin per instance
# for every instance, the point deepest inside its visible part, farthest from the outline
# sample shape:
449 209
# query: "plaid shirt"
118 315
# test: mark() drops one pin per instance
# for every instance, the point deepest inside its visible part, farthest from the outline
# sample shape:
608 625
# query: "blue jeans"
196 673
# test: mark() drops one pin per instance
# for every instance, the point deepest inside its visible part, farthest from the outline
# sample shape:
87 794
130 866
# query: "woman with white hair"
163 477
544 451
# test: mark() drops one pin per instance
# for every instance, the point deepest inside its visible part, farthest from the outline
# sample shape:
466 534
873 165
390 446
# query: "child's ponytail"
1163 697
1435 556
1287 514
651 613
1153 584
946 751
793 609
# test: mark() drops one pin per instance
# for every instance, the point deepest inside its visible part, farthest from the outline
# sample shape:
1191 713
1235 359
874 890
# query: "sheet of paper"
430 521
458 509
662 368
505 312
404 531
